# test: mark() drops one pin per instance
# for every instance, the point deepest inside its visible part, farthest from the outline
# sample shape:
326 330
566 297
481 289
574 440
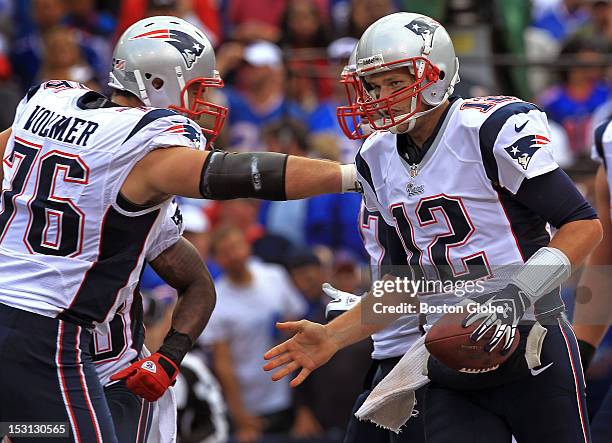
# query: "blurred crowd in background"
281 61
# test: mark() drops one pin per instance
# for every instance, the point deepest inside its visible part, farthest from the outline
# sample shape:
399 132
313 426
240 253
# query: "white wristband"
546 270
349 178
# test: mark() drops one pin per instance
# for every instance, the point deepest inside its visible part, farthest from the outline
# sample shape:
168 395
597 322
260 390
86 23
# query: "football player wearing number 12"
470 186
394 341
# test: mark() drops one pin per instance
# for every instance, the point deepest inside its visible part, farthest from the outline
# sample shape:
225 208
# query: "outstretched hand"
309 348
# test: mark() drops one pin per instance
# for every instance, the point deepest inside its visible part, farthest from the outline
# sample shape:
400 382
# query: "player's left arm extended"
182 268
554 197
219 175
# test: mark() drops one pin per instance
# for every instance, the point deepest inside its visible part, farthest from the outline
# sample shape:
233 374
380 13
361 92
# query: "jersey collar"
409 151
95 100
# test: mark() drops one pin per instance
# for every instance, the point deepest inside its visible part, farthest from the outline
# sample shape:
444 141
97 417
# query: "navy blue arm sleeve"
554 197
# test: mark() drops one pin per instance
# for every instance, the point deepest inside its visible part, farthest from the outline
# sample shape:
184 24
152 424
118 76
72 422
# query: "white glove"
341 301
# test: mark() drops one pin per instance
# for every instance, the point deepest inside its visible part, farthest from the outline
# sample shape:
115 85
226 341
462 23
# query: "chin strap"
412 121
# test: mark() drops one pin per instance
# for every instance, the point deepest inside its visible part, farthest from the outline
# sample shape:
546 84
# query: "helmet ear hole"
148 75
441 75
157 83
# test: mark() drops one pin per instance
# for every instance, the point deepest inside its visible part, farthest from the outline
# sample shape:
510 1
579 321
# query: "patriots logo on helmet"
422 27
189 48
186 130
525 147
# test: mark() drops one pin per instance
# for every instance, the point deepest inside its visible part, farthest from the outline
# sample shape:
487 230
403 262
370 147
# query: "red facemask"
200 107
349 116
379 112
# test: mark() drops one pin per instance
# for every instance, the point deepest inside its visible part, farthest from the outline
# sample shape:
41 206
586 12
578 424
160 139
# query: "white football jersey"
70 244
454 212
602 148
122 343
395 339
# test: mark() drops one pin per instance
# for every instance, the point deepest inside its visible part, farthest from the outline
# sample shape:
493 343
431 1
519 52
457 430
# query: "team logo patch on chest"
524 148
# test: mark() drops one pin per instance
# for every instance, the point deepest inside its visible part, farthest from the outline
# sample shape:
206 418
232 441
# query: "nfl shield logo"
414 170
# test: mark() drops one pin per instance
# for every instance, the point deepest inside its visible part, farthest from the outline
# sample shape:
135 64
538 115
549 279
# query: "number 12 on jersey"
460 228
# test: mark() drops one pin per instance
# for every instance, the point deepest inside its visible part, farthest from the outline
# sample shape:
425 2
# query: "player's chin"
402 128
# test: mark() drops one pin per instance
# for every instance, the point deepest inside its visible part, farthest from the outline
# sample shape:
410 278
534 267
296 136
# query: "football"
450 343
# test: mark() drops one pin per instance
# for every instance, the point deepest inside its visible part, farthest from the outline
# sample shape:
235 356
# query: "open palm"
309 348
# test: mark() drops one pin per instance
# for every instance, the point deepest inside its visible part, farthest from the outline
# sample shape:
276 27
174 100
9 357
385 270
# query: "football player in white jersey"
470 186
593 315
84 182
178 263
394 341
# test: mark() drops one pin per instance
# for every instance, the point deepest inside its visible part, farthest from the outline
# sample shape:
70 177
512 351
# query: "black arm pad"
228 175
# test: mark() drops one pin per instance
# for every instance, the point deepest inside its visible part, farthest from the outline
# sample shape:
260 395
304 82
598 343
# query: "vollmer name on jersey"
47 123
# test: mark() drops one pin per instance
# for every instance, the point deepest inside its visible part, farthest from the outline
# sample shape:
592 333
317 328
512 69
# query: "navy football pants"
46 375
545 405
131 414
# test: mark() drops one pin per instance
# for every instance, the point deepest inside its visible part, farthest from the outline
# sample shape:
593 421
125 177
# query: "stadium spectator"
243 214
304 37
251 297
82 14
340 379
201 13
599 29
197 230
248 21
323 220
346 274
259 97
302 26
582 89
365 12
61 58
322 121
9 94
563 19
27 51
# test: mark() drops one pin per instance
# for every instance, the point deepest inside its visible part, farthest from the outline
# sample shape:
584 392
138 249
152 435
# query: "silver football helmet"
161 60
415 42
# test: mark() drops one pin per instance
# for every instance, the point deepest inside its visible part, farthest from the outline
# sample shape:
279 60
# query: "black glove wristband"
587 352
176 345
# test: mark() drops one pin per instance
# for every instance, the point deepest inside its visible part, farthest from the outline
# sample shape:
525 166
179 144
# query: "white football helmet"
415 42
159 58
